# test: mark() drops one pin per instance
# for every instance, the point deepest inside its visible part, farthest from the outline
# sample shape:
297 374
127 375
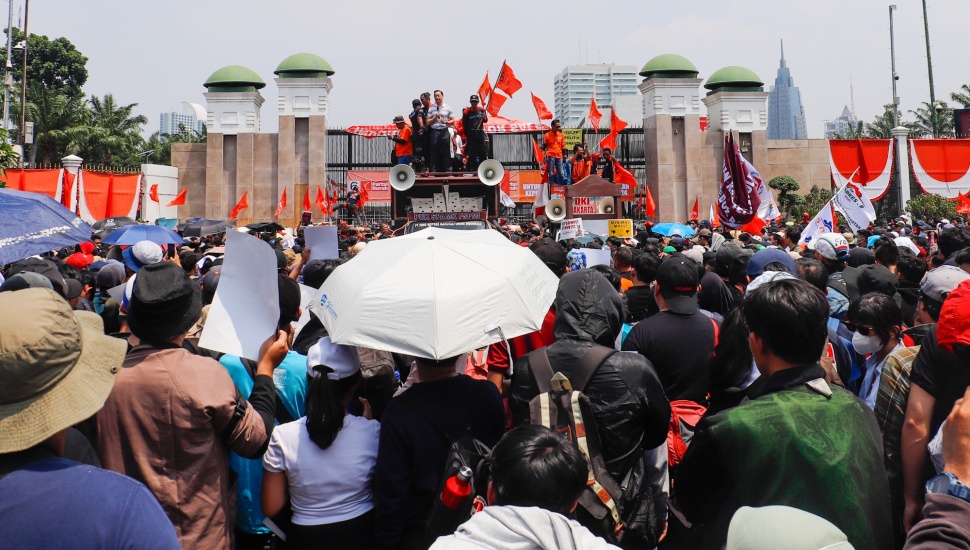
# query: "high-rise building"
845 123
576 85
786 116
191 118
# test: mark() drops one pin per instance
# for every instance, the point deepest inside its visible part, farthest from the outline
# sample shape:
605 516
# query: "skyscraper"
845 123
786 116
192 118
577 84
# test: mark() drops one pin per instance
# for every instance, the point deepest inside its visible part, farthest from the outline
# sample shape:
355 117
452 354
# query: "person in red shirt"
402 141
554 141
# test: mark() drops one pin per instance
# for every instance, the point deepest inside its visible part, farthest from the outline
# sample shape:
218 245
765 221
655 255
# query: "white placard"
245 310
597 257
570 229
322 242
597 227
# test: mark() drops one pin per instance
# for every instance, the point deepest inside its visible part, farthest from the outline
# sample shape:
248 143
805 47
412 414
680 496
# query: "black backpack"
620 512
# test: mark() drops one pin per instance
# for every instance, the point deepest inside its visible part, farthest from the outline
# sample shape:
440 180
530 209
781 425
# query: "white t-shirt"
326 485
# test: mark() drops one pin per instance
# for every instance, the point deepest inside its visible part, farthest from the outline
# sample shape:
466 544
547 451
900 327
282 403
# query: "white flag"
768 210
823 222
506 200
855 206
542 197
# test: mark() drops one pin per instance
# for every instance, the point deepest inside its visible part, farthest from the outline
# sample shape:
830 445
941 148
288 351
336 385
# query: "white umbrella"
436 293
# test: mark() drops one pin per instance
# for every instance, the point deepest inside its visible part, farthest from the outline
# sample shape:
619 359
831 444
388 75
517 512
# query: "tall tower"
786 116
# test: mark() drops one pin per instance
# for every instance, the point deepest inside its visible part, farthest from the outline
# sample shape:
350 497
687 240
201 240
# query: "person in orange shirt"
402 141
554 142
579 162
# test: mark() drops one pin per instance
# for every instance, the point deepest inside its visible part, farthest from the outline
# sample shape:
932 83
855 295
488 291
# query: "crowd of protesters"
748 391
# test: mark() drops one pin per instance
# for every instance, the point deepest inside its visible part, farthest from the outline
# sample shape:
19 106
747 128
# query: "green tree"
55 63
962 96
928 206
786 187
8 157
881 127
108 134
160 144
924 120
853 132
52 112
815 200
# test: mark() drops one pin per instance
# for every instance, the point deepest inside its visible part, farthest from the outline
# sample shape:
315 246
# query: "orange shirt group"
580 168
404 149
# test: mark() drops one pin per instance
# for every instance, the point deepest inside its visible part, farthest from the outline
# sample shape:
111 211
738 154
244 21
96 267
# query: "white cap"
343 361
832 246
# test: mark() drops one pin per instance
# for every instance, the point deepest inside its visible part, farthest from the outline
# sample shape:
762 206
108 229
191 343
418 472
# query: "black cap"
551 254
677 281
474 97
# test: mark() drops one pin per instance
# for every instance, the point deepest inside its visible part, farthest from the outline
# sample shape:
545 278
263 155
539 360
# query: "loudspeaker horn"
491 172
606 206
556 210
402 177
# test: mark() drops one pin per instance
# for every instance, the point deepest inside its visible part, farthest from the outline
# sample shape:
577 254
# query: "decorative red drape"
870 160
942 166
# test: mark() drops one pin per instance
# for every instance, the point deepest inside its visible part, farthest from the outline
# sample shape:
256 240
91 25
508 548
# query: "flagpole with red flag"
242 204
281 204
179 199
695 212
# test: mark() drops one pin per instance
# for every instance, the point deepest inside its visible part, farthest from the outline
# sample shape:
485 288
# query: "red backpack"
684 416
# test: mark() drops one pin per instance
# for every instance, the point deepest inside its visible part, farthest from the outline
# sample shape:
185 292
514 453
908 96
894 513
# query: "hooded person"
58 368
629 408
173 417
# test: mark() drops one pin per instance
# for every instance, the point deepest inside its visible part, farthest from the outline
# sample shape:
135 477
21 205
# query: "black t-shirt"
641 302
419 114
472 123
607 172
680 347
942 375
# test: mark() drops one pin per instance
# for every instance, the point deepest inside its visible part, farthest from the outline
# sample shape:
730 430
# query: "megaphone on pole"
491 172
556 210
605 206
402 177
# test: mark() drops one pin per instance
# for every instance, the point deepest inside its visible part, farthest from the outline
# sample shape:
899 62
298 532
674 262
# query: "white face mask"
866 344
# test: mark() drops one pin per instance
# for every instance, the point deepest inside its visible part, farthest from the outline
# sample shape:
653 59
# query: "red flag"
616 125
495 104
695 213
484 90
715 220
306 201
241 205
609 141
321 200
364 195
963 205
152 192
540 158
594 114
506 81
737 198
541 110
753 227
622 175
179 199
281 205
651 207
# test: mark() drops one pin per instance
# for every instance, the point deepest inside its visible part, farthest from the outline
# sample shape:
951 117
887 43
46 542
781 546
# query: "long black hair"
324 411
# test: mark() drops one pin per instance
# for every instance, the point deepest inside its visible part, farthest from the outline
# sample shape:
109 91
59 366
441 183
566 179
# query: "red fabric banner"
47 182
695 213
540 158
594 114
650 208
95 192
242 204
495 104
616 124
123 199
869 159
942 166
67 191
153 192
307 207
281 205
179 199
737 198
377 183
484 91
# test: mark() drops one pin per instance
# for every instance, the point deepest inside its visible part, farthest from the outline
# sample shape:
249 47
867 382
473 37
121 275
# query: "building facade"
843 125
786 116
192 118
610 84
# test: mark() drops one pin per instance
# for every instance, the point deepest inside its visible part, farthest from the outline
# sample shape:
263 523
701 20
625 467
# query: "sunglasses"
865 331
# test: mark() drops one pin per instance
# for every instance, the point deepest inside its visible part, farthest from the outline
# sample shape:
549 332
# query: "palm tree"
52 112
924 120
108 131
962 96
882 126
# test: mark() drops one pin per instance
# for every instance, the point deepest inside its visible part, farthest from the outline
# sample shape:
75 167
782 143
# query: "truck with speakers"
451 200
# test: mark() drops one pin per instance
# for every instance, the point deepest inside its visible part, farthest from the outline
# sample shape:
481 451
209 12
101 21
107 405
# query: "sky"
385 52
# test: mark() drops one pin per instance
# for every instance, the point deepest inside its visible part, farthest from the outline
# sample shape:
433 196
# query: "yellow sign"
621 228
574 137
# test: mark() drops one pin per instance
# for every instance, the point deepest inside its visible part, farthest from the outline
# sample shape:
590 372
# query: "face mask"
866 344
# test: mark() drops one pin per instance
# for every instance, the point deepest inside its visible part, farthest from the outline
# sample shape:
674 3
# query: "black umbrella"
206 227
181 227
110 224
264 227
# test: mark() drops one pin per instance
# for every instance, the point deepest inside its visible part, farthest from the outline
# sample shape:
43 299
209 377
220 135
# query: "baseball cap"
58 367
761 258
339 361
783 527
44 268
677 281
141 254
954 324
27 279
940 282
474 97
705 232
832 246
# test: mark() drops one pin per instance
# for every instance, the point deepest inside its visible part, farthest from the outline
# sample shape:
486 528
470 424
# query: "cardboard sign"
621 228
322 242
573 137
597 257
570 229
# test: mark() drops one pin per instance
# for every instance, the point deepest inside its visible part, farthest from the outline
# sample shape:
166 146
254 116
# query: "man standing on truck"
555 142
419 121
440 119
402 141
473 121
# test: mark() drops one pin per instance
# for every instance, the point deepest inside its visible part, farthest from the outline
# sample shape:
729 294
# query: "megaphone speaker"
606 206
402 177
556 210
491 172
